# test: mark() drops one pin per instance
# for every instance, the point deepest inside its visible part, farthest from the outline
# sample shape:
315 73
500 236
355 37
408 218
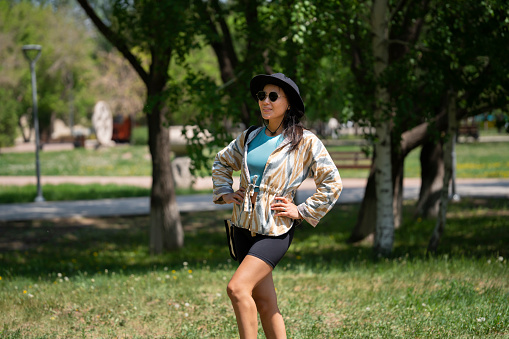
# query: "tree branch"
397 41
115 39
227 37
396 9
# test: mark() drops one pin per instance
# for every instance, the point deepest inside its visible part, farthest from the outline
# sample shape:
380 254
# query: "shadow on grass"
475 228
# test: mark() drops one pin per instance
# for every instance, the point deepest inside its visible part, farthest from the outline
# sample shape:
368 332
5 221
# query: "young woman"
274 160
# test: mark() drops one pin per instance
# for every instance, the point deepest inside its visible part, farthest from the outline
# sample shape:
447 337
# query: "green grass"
94 278
123 160
140 135
64 192
473 160
478 160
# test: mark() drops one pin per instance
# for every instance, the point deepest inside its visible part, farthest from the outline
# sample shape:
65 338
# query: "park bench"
350 159
71 141
469 131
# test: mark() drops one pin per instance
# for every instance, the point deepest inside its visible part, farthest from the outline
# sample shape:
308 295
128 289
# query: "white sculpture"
103 123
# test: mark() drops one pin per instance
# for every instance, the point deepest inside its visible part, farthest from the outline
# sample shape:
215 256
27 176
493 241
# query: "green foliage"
64 69
96 278
8 121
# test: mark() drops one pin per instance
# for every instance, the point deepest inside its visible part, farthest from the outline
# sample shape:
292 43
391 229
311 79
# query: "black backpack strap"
230 238
249 130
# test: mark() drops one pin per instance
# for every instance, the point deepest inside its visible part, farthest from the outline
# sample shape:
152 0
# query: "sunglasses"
273 96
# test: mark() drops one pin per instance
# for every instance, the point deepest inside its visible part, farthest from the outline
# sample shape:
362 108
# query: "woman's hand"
285 208
236 197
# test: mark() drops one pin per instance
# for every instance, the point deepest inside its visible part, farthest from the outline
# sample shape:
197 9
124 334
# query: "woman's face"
273 110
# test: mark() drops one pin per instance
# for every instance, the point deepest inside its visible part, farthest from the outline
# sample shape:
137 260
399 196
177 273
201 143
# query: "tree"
120 85
237 33
444 196
471 65
384 231
8 121
158 30
419 74
432 46
67 54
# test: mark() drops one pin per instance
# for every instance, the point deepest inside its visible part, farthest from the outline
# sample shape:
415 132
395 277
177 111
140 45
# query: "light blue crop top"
260 148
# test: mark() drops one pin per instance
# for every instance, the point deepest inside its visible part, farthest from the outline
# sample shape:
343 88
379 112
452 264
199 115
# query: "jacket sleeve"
227 160
328 184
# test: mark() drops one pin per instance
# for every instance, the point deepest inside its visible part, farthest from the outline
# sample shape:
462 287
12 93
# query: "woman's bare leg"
248 275
264 295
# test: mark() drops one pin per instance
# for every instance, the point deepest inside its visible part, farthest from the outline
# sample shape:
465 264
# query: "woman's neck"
274 127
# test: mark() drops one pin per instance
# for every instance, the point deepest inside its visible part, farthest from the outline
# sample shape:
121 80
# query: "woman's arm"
227 160
328 184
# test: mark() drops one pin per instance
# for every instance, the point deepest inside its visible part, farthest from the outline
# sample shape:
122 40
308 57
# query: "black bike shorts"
267 248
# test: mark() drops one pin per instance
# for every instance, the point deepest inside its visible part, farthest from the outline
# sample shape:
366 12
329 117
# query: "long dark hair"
293 128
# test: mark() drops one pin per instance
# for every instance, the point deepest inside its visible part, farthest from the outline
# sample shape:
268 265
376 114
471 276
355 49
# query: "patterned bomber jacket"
284 173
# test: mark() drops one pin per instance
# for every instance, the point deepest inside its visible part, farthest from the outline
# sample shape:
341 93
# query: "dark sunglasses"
273 96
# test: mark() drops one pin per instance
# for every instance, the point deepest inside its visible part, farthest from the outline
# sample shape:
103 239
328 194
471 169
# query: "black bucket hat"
281 80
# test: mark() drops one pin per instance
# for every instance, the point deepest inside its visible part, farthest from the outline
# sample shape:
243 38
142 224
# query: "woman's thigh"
250 273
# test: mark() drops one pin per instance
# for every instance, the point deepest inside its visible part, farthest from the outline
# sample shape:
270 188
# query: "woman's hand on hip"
285 208
236 197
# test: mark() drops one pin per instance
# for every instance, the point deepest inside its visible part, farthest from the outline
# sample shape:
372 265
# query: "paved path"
353 192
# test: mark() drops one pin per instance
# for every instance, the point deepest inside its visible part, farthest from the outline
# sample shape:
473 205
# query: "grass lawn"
123 160
474 160
69 192
94 278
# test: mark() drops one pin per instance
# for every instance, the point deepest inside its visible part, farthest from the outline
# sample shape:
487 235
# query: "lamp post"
27 51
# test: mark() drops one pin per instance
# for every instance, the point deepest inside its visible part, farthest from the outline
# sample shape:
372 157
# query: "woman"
274 160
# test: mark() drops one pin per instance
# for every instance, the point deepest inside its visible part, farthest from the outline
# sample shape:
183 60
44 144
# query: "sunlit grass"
123 160
95 278
474 160
63 192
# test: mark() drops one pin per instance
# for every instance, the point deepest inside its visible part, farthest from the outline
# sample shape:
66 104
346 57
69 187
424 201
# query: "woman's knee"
236 291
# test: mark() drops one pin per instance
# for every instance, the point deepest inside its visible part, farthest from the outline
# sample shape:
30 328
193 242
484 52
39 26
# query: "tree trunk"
432 176
398 162
222 44
409 140
165 227
25 127
366 219
384 231
444 196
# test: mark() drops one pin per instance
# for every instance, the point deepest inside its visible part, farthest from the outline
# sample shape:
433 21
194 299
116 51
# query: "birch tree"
384 232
